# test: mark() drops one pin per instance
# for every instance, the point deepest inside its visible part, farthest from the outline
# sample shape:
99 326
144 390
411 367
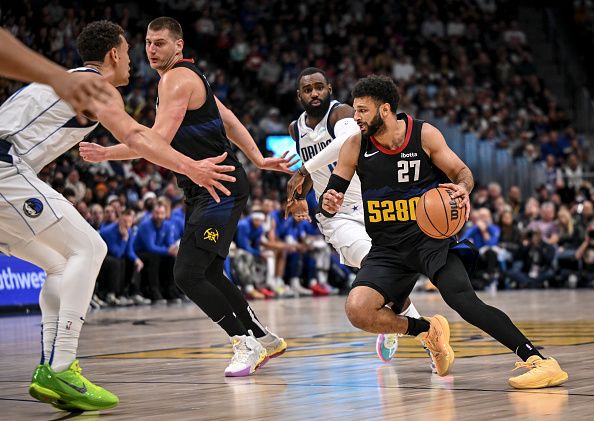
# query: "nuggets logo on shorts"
33 207
211 234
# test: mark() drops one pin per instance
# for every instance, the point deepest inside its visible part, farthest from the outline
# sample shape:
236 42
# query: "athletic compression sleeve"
336 183
343 129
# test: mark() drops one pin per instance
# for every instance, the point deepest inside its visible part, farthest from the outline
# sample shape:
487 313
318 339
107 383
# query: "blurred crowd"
466 61
583 26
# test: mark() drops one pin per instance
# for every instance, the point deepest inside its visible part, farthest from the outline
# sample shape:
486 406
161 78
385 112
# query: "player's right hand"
295 184
206 173
299 209
92 152
332 201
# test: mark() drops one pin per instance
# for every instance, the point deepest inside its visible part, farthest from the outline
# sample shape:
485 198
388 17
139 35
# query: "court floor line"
340 385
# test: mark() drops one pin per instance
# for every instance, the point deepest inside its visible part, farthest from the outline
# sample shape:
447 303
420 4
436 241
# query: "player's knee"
356 252
360 308
97 248
186 276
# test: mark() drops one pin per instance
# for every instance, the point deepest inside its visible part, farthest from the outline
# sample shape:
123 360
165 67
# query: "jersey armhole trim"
329 126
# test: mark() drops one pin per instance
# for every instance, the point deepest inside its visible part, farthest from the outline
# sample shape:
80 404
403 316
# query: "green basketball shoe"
69 390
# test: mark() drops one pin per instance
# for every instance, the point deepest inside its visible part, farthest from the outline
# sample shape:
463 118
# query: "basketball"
438 214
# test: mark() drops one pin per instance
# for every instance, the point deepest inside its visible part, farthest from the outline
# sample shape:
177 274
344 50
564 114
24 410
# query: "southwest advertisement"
20 282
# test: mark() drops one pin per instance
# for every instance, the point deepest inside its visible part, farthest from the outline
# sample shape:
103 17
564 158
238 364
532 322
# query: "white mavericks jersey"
309 143
40 125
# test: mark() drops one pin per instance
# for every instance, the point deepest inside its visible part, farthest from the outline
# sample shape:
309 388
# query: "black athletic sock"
527 350
416 326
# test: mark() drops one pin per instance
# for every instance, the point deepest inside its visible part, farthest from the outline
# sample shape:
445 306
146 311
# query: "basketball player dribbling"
200 126
39 225
397 159
319 133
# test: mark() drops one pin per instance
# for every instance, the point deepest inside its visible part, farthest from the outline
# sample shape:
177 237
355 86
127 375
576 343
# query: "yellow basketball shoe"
437 341
541 373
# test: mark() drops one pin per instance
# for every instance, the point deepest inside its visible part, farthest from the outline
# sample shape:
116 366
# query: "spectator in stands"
570 238
553 173
248 239
155 246
545 224
78 187
585 256
96 216
110 215
573 172
514 198
485 236
509 240
536 257
112 277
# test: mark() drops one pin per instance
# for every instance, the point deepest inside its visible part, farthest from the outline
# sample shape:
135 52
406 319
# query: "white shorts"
342 231
27 205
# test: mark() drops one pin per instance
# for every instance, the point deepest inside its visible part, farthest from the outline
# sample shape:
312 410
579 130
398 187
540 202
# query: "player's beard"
319 110
376 125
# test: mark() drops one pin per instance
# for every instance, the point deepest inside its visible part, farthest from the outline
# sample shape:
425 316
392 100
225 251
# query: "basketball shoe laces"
390 340
241 352
77 368
528 365
432 346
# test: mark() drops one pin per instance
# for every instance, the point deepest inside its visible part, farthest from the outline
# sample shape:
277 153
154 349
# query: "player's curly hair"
97 38
382 89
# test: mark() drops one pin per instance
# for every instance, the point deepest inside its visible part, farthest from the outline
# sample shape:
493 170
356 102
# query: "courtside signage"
20 282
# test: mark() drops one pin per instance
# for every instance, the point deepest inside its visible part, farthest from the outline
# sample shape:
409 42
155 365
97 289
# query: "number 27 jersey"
392 182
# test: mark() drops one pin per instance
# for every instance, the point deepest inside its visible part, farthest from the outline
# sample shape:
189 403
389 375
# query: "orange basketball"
438 214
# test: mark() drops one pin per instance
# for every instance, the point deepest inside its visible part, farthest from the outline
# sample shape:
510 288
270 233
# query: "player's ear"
179 45
330 88
113 54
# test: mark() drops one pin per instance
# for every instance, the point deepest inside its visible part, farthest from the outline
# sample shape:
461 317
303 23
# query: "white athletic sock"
49 329
411 311
69 327
268 338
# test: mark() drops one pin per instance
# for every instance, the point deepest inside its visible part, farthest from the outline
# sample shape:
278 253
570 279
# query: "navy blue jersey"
392 182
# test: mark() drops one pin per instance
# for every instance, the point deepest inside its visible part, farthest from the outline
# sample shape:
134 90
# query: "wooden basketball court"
168 362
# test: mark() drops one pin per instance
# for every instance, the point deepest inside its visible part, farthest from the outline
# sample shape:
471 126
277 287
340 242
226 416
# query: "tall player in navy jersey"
198 125
397 159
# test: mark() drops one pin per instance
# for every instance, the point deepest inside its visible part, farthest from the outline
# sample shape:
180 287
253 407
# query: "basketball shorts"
27 205
210 225
342 231
393 273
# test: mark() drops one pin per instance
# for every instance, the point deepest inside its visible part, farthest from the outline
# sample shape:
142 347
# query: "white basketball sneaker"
248 354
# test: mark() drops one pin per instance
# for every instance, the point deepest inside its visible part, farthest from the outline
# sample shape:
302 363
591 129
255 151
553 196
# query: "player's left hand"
92 152
459 192
332 201
282 164
299 209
